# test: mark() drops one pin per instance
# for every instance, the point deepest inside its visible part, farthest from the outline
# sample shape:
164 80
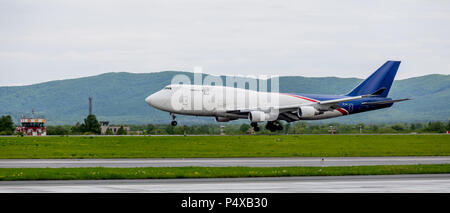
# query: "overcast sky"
51 40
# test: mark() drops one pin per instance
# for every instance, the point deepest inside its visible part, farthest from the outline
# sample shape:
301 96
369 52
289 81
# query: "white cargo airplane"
229 103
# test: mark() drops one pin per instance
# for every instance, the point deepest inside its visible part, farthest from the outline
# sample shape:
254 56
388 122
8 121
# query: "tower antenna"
90 105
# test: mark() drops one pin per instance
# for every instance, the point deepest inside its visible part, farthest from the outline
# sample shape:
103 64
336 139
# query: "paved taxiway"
379 183
222 162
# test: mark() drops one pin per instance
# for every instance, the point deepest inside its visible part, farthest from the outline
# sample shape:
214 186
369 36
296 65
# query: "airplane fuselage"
230 103
218 101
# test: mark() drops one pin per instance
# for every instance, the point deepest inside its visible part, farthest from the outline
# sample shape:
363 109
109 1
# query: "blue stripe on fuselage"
352 107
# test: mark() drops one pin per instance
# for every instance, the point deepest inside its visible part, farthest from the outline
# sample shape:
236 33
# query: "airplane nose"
150 100
157 100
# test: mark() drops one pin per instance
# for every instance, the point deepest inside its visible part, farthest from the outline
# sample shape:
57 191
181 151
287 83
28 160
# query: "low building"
104 126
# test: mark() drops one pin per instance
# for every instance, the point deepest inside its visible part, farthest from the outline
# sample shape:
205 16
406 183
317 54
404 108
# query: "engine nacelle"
256 116
307 112
259 116
223 119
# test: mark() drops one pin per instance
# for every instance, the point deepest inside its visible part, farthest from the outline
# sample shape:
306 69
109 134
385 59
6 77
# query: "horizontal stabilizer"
384 102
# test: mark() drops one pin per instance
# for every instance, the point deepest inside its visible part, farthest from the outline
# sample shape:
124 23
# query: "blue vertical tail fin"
379 83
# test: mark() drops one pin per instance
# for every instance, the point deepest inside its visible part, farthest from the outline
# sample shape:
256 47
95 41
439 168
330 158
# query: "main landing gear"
174 122
255 126
271 125
274 126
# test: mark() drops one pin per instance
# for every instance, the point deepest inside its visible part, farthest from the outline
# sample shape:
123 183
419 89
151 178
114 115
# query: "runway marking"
222 162
381 183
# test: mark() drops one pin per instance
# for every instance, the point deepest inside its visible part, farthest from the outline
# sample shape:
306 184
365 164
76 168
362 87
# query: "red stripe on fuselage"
343 111
308 99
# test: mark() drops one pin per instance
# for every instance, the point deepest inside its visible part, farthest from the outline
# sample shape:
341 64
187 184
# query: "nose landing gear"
174 122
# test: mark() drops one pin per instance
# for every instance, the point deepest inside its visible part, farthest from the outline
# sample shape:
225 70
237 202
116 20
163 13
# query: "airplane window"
169 88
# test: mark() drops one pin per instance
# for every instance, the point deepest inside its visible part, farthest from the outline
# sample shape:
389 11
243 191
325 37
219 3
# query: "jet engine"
307 112
224 119
256 116
259 116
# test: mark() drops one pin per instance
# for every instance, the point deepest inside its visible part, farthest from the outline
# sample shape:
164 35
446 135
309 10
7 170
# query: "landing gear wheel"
174 122
274 126
255 126
269 126
279 127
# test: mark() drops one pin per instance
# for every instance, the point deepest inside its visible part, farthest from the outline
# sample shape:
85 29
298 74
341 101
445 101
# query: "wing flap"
340 100
384 102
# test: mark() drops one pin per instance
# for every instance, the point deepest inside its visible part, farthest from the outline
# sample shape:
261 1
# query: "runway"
223 162
383 183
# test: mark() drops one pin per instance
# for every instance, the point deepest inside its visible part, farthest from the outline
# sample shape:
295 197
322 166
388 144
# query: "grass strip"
224 146
99 173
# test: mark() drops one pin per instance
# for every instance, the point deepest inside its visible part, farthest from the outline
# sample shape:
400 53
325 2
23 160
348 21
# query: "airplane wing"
384 102
340 100
324 105
288 112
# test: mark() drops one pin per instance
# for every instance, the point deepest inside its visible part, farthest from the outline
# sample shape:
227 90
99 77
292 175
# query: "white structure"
104 126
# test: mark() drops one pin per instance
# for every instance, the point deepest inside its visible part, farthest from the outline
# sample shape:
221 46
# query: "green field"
224 146
99 173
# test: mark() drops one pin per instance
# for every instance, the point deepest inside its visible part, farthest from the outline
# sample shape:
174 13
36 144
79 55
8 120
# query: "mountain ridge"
119 98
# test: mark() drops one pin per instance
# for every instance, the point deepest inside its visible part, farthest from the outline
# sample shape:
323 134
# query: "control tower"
33 125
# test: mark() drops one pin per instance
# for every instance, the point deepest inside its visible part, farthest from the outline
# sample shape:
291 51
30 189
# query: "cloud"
42 41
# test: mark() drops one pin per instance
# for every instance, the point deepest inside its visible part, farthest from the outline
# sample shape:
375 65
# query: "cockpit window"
169 88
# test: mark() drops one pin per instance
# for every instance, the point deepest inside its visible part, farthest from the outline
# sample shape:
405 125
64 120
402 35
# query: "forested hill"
119 98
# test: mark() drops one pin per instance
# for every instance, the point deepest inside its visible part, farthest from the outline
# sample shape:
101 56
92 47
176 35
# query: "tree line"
289 128
6 125
91 125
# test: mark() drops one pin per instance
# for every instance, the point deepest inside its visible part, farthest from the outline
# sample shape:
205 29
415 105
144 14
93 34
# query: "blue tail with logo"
379 83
